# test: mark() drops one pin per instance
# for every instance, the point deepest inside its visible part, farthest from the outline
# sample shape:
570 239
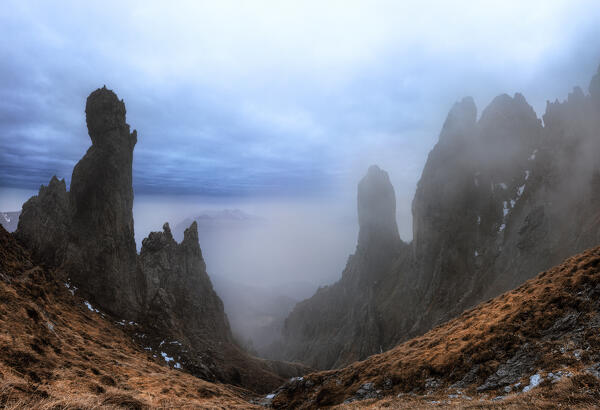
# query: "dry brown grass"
485 336
57 354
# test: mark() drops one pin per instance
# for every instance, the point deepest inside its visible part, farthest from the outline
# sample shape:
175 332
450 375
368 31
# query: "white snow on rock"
166 357
502 227
527 172
534 381
71 288
90 307
503 185
178 366
532 156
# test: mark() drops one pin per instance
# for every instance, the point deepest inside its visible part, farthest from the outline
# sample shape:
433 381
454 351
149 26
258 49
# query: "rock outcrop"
88 231
101 256
500 199
179 294
44 223
87 234
341 323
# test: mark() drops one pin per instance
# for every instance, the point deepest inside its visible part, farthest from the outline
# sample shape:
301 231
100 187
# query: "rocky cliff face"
342 323
101 254
44 223
500 199
179 294
87 233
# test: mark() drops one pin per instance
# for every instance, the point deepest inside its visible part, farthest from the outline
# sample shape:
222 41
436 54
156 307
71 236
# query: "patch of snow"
176 343
90 307
556 377
527 172
166 357
178 366
505 209
532 156
476 253
512 203
534 381
520 190
161 343
71 288
503 185
293 379
270 396
121 322
478 219
148 348
502 227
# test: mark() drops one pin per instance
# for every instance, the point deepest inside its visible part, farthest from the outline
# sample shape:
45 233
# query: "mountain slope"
56 351
547 327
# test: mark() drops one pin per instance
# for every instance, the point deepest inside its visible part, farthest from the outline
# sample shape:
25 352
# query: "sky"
273 99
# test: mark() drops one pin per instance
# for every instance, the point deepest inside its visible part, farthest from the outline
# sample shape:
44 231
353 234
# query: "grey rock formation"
341 323
500 199
88 231
101 255
44 223
88 234
179 297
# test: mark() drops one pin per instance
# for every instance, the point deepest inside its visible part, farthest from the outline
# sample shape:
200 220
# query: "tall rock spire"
376 202
102 255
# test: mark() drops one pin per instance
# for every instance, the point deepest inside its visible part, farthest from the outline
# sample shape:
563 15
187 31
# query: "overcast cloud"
273 98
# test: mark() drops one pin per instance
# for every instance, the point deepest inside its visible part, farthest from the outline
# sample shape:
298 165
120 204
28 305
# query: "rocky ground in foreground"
535 346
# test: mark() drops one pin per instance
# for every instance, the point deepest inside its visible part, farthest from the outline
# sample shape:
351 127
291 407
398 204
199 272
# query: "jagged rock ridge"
500 198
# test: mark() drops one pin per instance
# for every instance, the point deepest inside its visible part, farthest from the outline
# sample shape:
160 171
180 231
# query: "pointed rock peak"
191 234
460 120
595 86
508 111
55 185
376 202
54 181
104 112
167 230
576 95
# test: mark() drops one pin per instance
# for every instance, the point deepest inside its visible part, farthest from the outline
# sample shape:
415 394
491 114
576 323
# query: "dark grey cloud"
269 98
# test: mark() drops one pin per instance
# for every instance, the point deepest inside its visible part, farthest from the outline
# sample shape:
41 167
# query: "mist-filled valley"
300 205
